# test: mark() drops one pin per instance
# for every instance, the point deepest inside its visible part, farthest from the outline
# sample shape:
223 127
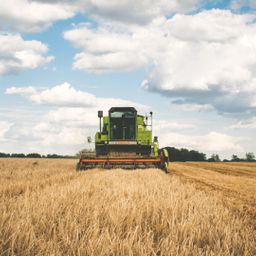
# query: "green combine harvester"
124 140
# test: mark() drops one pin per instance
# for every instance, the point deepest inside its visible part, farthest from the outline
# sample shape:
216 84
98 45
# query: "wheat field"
198 209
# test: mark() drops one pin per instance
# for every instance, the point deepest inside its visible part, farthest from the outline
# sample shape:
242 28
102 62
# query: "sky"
191 62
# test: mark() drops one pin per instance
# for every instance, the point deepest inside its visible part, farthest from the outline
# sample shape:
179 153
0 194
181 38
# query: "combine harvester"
124 141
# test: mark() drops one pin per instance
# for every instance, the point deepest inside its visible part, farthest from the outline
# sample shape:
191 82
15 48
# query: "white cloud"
4 127
73 120
66 95
120 61
83 122
43 137
211 142
37 15
32 16
190 107
195 59
68 127
191 68
206 55
78 123
166 126
101 40
60 95
72 117
52 134
21 90
106 103
110 48
17 54
133 11
63 95
105 51
245 124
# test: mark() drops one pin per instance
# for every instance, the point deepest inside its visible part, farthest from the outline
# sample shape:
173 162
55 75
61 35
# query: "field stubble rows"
199 209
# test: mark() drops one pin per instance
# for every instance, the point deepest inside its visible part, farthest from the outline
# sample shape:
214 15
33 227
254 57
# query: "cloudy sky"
191 62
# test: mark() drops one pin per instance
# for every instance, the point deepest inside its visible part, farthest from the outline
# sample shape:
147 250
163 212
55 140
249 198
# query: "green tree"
4 154
235 158
18 155
250 157
214 158
33 155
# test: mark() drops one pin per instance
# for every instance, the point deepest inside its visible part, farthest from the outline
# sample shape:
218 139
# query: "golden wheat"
49 209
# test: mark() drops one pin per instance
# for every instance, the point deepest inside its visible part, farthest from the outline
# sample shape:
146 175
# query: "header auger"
124 140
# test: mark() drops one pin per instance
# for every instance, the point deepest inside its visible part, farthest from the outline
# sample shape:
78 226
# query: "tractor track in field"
241 204
226 169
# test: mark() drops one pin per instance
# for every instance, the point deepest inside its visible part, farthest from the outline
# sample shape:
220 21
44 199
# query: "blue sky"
193 63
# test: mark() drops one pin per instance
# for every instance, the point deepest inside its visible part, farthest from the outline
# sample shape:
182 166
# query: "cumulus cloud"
78 117
75 117
245 124
75 124
21 90
209 62
66 95
190 107
72 121
120 61
211 142
42 136
195 59
104 50
52 134
71 118
33 16
37 15
67 126
85 121
4 127
161 126
133 11
60 95
17 54
63 95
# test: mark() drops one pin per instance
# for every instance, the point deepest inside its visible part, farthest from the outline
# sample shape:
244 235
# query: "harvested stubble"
49 209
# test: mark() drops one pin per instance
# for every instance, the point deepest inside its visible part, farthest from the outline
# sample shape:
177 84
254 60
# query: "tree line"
183 155
33 155
249 157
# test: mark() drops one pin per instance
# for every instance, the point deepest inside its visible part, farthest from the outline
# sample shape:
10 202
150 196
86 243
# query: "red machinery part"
120 160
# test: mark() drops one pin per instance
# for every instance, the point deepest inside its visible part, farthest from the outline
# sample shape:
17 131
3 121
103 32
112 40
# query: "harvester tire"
78 167
165 160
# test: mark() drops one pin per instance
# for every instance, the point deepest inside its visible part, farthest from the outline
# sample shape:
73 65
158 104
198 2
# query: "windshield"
122 125
120 114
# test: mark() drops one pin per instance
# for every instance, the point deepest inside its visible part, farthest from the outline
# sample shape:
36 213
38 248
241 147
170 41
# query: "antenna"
100 115
151 117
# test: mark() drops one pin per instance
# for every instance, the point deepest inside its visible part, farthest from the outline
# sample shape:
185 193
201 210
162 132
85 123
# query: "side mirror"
89 139
100 113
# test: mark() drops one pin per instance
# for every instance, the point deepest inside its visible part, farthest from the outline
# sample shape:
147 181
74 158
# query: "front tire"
78 167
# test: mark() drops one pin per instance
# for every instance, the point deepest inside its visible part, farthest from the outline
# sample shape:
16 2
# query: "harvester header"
124 140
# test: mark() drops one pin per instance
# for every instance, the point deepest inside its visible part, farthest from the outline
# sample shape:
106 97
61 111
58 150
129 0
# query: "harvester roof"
122 109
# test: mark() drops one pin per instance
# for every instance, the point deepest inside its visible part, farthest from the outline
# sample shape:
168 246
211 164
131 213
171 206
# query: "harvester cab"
124 140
